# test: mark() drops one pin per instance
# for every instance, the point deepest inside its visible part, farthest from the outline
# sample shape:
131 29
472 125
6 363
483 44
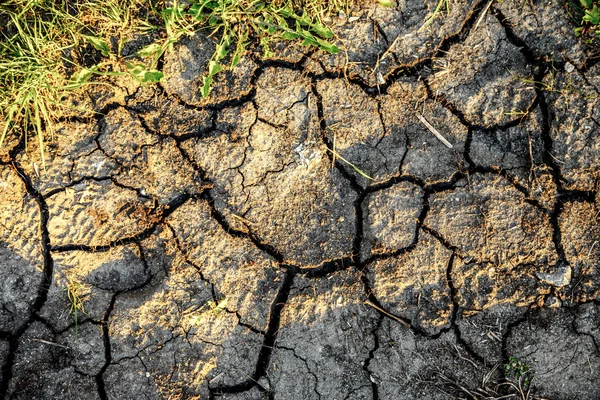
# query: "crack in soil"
47 273
420 68
270 337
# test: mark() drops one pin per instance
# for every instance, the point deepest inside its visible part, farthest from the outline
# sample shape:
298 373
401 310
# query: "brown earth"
223 250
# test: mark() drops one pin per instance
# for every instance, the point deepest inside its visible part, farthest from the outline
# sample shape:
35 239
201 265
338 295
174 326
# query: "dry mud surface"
224 251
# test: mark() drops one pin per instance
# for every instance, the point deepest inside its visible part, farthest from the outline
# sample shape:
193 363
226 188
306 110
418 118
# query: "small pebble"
552 302
569 67
561 277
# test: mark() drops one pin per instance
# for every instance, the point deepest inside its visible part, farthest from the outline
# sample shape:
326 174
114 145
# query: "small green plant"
518 371
30 72
586 15
214 308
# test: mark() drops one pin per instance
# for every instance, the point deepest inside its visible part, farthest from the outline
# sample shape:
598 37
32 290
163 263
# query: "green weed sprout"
435 13
518 370
586 15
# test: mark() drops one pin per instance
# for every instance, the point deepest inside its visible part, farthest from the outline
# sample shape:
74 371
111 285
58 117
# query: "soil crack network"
303 234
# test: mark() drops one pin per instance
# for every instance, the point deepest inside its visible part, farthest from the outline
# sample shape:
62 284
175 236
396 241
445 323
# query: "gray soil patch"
560 351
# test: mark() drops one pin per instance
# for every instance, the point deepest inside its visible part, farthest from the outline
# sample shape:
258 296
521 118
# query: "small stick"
334 152
434 131
483 14
464 358
381 310
244 220
50 343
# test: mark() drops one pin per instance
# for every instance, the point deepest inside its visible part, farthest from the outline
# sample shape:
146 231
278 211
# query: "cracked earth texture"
224 250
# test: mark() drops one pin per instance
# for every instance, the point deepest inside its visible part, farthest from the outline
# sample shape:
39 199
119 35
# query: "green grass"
30 72
39 43
49 48
354 167
235 21
436 11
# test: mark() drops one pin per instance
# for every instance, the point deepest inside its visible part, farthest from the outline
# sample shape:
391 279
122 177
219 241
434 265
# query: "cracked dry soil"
223 252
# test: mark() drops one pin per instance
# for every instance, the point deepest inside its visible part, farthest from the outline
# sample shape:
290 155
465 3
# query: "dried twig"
434 131
392 316
50 343
483 14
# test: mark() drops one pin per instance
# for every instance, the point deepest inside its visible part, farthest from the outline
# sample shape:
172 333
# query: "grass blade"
336 154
